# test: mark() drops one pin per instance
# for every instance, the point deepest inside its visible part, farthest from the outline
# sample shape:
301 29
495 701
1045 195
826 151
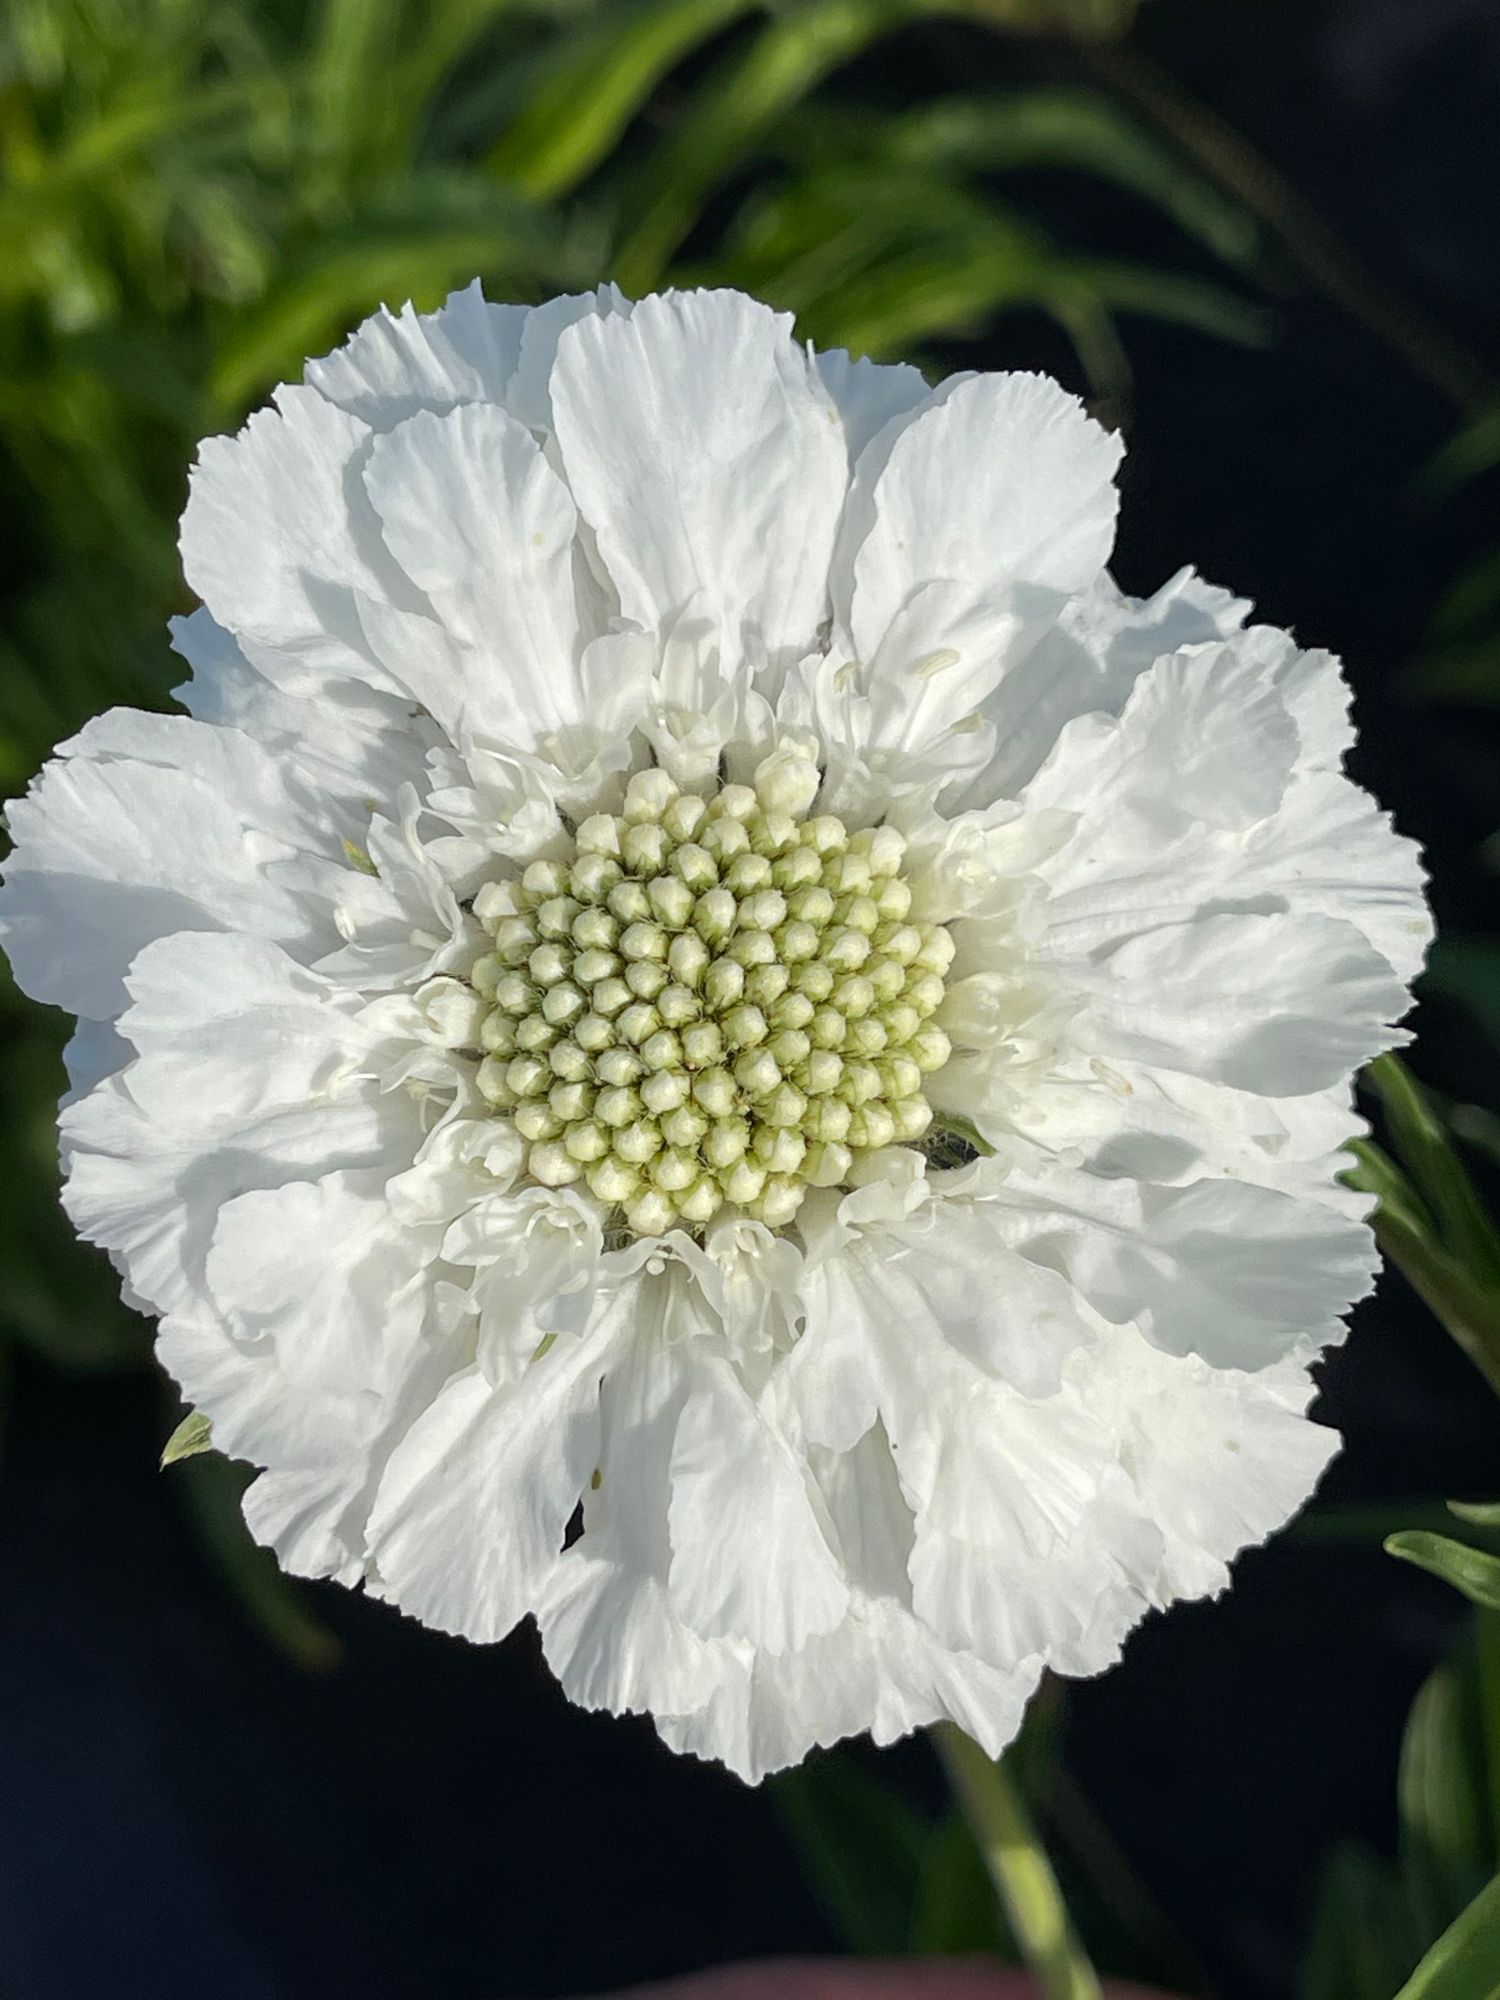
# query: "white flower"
704 1033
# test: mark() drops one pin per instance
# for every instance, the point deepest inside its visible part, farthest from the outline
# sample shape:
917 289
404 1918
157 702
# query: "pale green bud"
665 1089
599 834
618 1066
646 977
683 817
553 1165
494 1083
568 1061
672 900
638 1143
535 1119
542 879
702 1044
695 868
587 1140
569 1101
535 1034
677 1005
618 1105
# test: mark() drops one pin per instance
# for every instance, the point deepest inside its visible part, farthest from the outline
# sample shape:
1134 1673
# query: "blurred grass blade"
990 1801
1078 130
192 1435
861 1849
1467 969
788 58
598 81
1482 1513
1447 1830
212 1488
1464 1964
1430 1157
1468 455
957 1911
1362 1942
1470 1570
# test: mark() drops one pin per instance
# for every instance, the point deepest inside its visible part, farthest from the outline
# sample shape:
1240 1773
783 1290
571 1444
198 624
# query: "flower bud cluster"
715 1002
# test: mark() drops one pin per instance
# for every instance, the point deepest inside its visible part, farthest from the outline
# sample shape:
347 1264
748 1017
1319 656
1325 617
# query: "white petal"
749 1558
143 825
233 1028
356 743
1220 1459
395 364
313 1271
528 395
993 503
482 525
1238 1274
1281 1004
470 1517
281 547
1087 664
710 463
869 394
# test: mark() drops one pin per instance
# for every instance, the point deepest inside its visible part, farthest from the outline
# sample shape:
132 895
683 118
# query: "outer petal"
1241 1275
143 825
280 546
485 529
471 1514
750 1559
398 363
1088 664
709 461
356 743
1219 1458
869 394
968 528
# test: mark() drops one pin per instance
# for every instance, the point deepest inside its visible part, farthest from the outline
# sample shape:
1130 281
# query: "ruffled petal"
710 463
484 528
143 825
946 577
395 364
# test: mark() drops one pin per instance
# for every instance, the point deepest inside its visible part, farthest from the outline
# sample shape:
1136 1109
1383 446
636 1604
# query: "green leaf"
1447 1826
192 1435
1079 130
1362 1942
1470 1570
212 1488
1467 969
1483 1513
1431 1159
861 1848
1467 455
596 83
746 97
1464 1964
956 1909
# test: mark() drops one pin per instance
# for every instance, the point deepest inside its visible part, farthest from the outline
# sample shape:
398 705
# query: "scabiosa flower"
704 1033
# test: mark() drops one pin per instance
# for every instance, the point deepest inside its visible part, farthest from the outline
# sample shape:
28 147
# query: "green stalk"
1018 1867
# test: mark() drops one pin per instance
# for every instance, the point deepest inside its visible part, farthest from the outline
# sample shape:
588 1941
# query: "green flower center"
714 1002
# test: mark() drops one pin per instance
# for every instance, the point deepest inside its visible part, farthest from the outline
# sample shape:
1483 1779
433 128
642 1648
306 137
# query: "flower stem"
1018 1867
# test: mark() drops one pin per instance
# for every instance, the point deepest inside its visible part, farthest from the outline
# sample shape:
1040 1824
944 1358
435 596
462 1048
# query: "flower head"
703 1032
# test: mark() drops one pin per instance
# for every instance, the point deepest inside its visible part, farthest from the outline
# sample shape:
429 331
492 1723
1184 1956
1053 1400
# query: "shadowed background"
216 1783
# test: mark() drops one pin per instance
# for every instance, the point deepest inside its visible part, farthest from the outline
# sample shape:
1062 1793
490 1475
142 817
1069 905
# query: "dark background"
186 1812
